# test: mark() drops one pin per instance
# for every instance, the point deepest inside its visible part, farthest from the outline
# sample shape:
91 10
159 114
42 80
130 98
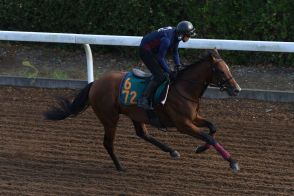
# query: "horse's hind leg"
109 120
108 144
142 132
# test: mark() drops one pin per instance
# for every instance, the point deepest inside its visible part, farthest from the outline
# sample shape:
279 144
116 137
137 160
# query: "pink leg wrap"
225 154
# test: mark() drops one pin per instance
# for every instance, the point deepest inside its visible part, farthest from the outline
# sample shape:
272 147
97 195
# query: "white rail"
265 46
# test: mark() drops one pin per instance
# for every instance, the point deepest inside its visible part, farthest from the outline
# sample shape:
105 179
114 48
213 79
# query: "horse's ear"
213 58
211 53
215 54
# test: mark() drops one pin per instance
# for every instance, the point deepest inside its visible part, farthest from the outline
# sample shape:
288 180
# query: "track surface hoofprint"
39 157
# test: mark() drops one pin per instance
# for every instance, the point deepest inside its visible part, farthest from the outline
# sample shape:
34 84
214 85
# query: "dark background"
264 20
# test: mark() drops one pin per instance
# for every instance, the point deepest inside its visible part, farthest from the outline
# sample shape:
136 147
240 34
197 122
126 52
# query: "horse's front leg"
192 130
142 132
201 122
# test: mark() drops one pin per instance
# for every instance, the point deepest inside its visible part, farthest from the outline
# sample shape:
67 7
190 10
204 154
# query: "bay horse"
180 109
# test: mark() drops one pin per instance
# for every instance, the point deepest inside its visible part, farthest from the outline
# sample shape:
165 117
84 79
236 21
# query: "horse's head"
221 75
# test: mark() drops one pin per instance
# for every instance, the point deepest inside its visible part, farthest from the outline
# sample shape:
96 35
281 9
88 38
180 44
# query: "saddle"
132 87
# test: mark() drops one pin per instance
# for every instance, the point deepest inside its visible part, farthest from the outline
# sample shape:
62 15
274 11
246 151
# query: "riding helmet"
185 28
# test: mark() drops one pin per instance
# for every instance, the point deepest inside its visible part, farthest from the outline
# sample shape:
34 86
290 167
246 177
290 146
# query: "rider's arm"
164 44
176 55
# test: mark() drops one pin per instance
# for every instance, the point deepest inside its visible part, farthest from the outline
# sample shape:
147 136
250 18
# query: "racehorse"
180 109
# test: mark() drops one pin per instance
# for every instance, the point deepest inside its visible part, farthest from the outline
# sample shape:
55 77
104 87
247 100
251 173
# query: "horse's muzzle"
237 91
233 90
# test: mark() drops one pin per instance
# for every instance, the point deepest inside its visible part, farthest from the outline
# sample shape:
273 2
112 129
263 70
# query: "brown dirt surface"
39 157
64 64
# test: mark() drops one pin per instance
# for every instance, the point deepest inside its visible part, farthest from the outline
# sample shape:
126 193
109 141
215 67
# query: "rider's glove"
173 75
179 67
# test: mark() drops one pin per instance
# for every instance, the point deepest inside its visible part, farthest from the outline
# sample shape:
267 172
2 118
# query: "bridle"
221 82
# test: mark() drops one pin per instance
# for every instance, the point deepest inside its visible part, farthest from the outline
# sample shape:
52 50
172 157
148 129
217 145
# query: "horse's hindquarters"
103 96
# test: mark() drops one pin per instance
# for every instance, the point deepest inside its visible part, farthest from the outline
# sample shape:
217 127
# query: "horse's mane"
201 58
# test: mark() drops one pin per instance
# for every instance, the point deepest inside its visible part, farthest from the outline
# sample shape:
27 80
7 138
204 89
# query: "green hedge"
268 20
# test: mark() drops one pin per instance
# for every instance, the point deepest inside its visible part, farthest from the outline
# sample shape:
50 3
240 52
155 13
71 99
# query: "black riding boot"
145 101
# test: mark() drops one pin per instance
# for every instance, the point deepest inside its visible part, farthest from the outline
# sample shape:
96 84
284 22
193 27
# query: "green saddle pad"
132 87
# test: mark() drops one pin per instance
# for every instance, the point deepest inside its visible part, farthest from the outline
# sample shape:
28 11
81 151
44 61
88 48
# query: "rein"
221 83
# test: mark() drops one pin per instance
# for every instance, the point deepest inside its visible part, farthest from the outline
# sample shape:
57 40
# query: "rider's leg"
146 99
152 64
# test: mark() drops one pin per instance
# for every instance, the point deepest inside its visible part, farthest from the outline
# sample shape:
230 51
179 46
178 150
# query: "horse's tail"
68 108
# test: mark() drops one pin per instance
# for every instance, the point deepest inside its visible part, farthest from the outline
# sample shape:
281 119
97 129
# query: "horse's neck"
194 81
201 72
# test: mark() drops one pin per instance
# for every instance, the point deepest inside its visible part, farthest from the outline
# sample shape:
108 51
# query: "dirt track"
38 157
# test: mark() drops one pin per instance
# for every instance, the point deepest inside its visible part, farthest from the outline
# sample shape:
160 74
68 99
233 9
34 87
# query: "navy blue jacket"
160 42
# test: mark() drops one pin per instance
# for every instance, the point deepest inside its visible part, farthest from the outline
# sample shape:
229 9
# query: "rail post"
90 66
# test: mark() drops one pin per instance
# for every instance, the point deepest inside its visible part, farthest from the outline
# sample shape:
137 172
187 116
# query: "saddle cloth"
133 85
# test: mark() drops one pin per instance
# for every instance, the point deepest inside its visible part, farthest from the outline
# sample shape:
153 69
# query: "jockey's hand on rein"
173 75
178 67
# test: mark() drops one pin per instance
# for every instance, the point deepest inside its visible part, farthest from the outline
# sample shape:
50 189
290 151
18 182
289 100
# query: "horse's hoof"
234 166
121 170
175 154
200 149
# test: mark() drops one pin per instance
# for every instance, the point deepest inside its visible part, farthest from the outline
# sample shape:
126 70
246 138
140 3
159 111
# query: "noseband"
221 83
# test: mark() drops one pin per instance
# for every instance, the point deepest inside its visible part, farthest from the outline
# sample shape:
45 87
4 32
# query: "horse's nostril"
236 91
